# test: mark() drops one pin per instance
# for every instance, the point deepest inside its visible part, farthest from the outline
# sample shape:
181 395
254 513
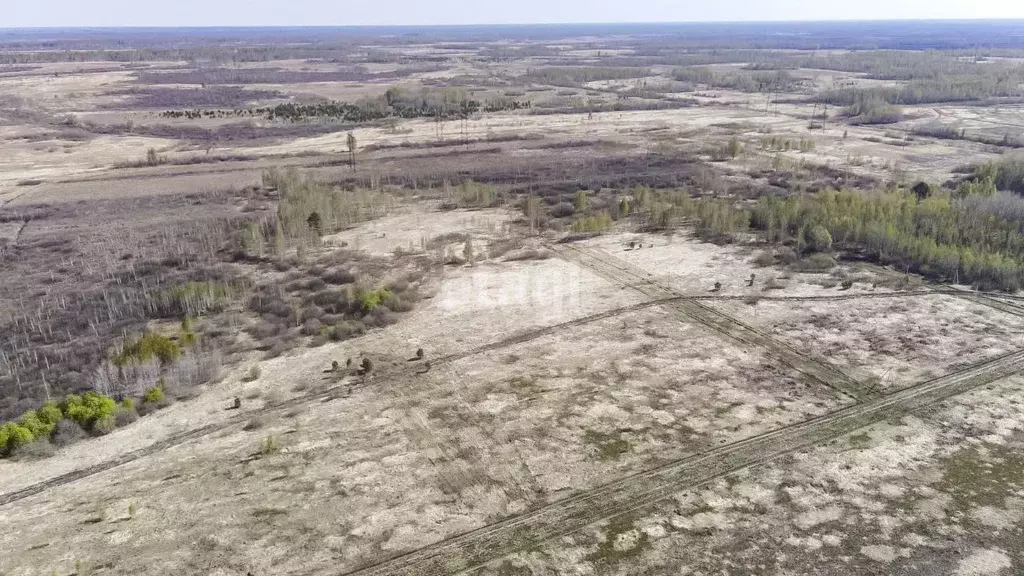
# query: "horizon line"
507 24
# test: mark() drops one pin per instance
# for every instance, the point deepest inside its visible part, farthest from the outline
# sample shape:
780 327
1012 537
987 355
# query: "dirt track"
628 276
382 378
686 305
473 549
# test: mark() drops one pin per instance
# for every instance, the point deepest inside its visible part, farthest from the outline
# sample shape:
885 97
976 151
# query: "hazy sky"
18 13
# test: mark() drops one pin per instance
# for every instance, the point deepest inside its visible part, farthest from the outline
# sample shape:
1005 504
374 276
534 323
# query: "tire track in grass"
637 279
385 377
471 550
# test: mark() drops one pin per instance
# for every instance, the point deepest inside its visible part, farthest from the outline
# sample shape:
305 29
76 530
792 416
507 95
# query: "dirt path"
381 378
473 549
637 279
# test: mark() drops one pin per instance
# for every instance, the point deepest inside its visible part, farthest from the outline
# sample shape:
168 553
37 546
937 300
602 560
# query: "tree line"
973 234
395 103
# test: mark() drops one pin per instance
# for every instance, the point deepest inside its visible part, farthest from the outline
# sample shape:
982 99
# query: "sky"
90 13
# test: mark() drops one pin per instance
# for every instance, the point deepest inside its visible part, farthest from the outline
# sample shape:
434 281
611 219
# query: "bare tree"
351 140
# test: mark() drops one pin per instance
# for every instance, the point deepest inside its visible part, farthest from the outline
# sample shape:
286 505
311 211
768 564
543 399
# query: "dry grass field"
551 303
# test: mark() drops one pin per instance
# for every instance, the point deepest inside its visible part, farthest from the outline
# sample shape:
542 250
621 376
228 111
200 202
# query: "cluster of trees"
1005 174
870 108
72 418
193 298
927 91
973 234
938 234
714 219
903 65
138 362
470 194
744 81
600 222
579 75
395 103
300 198
782 144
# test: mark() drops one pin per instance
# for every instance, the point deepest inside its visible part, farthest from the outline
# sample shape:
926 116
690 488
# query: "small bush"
764 259
154 395
338 276
37 449
397 304
148 346
269 446
87 409
67 432
847 284
252 375
563 210
125 416
254 424
14 436
366 366
346 329
380 317
819 239
815 263
786 255
369 300
311 327
35 425
50 414
105 424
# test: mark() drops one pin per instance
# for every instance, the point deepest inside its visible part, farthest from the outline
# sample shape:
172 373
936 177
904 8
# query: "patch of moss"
723 410
507 568
607 554
604 446
859 441
982 477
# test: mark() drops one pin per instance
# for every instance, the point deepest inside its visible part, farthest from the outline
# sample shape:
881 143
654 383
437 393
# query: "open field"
580 300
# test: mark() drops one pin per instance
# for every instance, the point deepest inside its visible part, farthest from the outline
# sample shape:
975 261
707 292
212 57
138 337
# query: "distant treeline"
744 81
578 75
952 89
395 103
220 75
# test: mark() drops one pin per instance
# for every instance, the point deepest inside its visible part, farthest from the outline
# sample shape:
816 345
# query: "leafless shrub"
255 424
125 416
814 263
67 432
36 450
764 259
786 255
447 239
338 276
311 327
